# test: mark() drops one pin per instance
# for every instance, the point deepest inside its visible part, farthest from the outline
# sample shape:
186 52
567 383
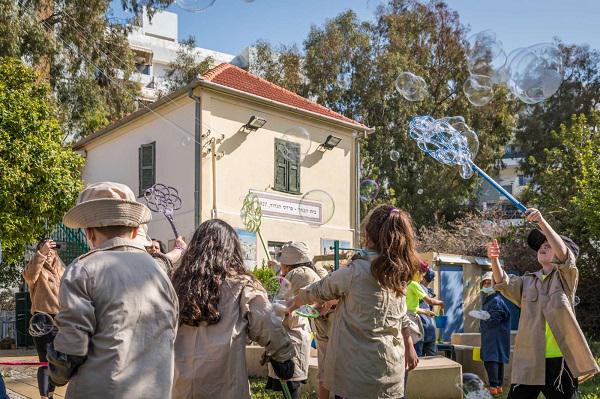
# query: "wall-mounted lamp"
331 142
255 123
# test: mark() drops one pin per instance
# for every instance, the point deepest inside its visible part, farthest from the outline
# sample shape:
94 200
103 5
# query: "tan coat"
547 300
365 352
298 327
118 308
43 281
210 360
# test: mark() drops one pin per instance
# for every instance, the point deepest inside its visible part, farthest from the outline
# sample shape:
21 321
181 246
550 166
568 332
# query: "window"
287 166
147 166
508 188
144 69
523 180
274 248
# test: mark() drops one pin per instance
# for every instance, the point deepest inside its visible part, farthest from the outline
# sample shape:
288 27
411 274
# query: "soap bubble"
420 191
394 155
478 89
297 146
411 86
576 300
369 189
195 5
479 314
185 141
317 207
536 72
485 55
279 288
472 387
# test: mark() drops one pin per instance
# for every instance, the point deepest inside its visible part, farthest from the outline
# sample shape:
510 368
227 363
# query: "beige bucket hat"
142 237
487 276
294 253
107 204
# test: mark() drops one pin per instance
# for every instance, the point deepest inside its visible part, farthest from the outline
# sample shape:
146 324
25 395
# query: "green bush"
266 276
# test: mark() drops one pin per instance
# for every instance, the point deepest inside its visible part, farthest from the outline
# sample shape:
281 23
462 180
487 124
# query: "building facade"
219 139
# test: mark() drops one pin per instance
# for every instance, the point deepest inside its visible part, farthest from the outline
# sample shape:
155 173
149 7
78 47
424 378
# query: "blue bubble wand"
452 142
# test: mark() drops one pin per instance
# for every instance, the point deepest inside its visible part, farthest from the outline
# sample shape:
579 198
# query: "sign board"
285 207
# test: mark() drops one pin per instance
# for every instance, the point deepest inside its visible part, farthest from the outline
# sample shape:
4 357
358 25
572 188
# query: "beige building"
229 134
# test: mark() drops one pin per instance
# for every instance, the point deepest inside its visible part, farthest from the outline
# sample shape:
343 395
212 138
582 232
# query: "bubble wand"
452 142
252 217
165 200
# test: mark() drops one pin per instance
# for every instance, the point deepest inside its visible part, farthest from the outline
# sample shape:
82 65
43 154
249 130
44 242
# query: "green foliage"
40 179
351 65
566 189
81 51
266 275
187 67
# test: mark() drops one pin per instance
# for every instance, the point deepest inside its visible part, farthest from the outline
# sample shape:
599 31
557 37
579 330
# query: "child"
297 268
551 354
118 311
495 335
427 346
369 335
416 293
221 307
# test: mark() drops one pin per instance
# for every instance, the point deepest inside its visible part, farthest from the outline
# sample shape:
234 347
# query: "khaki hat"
487 276
107 204
294 253
142 237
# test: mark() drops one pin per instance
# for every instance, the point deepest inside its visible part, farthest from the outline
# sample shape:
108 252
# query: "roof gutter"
197 158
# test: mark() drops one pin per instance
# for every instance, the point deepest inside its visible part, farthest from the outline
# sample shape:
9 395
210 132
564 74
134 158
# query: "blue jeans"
3 394
426 348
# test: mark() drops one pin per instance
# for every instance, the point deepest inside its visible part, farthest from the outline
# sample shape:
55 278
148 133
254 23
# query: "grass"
257 387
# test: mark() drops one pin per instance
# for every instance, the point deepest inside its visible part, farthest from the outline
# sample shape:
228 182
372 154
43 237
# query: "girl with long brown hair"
221 306
366 351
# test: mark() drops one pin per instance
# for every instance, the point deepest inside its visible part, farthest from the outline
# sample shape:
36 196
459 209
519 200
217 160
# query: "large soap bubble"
195 5
297 144
478 89
485 55
536 72
394 155
369 189
317 207
411 86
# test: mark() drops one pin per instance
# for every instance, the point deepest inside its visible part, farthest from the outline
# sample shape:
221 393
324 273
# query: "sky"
231 25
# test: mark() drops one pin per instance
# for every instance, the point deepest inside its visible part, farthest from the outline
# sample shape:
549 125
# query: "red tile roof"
236 78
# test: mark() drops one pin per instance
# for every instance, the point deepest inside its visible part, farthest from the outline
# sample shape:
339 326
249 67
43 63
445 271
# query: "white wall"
115 158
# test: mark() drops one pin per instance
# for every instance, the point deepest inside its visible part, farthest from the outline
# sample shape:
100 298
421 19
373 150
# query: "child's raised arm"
493 250
511 287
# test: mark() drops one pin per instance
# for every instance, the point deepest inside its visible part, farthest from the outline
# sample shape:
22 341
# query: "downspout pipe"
197 159
357 191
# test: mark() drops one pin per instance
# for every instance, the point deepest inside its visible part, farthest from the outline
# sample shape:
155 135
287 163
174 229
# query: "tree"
566 190
40 179
350 66
81 51
187 66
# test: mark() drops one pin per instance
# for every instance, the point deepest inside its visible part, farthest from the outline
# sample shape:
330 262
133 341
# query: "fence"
7 324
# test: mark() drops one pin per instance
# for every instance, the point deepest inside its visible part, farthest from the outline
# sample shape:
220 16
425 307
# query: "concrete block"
253 356
434 378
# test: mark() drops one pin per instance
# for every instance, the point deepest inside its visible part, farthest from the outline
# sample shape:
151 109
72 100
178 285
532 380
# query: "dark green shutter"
147 166
287 168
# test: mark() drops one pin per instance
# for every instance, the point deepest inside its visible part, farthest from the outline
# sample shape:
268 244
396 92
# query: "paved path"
21 381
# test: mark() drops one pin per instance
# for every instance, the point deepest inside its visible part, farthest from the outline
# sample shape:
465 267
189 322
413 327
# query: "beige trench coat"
298 327
547 300
365 352
43 281
120 309
210 360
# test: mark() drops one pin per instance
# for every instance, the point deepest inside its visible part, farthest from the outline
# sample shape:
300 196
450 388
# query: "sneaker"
494 391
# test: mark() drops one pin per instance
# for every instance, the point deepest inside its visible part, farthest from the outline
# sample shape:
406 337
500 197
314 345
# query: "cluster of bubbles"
448 140
532 74
198 5
472 387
